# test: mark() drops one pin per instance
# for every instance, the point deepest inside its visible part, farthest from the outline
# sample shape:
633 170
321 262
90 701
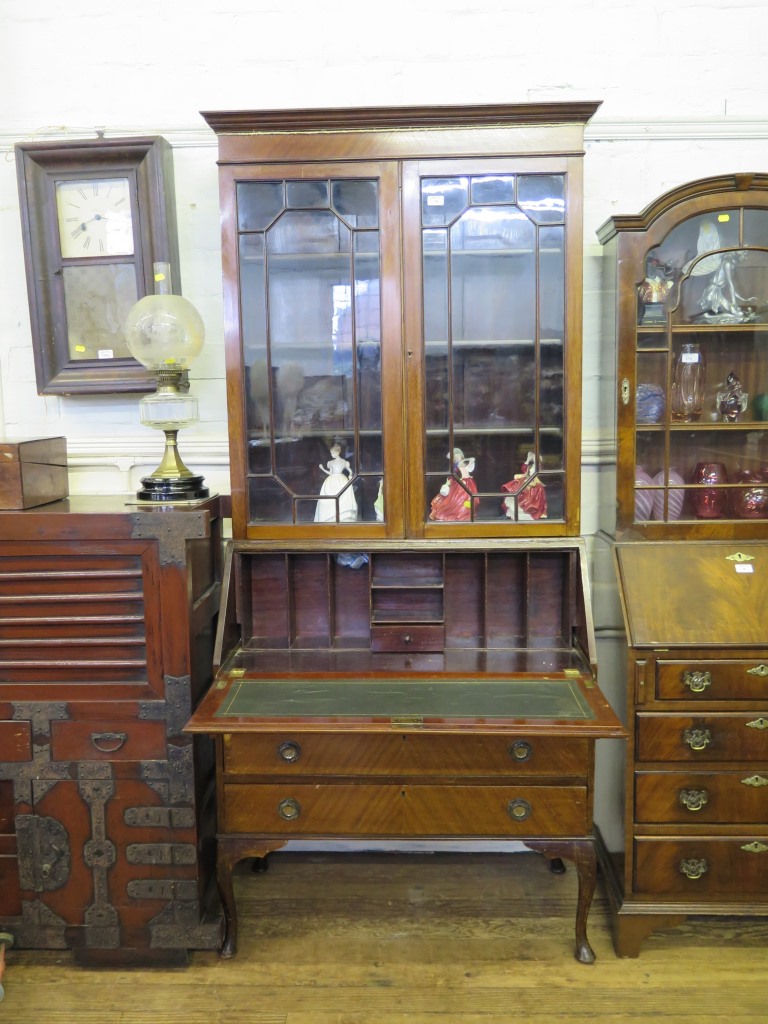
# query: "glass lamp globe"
165 333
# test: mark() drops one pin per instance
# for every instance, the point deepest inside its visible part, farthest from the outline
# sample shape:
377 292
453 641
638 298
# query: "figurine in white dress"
338 474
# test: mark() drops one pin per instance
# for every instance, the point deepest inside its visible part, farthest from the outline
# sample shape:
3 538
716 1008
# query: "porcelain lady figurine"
530 492
338 474
455 502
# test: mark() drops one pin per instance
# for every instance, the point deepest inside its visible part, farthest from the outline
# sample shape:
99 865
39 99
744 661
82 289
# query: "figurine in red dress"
530 492
454 502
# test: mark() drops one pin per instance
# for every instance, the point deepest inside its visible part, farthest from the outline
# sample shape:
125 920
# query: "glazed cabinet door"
315 344
693 363
491 340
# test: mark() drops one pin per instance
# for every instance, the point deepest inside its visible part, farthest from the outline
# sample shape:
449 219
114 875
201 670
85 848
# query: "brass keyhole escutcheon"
694 799
519 809
693 868
289 751
289 809
521 750
697 739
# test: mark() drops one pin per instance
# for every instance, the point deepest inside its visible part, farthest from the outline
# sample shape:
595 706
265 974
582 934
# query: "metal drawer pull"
697 739
108 742
758 670
697 682
755 847
521 750
693 868
755 780
289 751
694 799
289 809
519 809
758 723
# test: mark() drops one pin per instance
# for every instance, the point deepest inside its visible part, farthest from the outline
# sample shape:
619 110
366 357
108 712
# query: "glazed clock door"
489 315
318 351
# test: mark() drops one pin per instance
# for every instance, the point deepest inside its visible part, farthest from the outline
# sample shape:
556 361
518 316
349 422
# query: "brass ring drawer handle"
289 809
289 751
519 809
694 799
693 868
697 739
697 682
521 750
108 742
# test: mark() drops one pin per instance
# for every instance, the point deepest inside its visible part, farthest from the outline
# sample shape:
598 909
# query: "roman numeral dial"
94 217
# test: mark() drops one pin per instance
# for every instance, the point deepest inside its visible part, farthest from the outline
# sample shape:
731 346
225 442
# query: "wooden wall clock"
96 215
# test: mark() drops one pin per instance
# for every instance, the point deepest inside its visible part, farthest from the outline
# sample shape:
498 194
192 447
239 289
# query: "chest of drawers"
696 816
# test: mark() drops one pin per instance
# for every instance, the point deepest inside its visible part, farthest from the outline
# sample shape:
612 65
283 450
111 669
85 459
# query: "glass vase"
688 382
710 502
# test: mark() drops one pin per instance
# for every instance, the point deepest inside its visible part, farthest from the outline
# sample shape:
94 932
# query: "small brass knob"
519 809
407 638
693 868
697 739
289 751
521 750
697 682
694 799
289 809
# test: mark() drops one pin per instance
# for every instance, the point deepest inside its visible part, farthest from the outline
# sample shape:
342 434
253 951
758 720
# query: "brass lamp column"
165 333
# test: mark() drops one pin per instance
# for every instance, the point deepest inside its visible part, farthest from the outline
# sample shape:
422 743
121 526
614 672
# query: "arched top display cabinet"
690 275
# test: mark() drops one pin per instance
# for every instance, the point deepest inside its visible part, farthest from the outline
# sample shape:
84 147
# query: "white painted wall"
684 94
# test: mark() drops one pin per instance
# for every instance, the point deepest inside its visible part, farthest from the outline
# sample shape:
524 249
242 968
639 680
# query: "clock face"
94 217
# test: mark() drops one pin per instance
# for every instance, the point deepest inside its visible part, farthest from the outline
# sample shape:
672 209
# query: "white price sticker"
744 568
435 200
690 357
106 353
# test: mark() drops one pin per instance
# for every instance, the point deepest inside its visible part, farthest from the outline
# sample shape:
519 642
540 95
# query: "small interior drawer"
15 741
112 740
712 680
404 637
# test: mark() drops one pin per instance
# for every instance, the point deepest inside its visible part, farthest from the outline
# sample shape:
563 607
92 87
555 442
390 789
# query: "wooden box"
33 472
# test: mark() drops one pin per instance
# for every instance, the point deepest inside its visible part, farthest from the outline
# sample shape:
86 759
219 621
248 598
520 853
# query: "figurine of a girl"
338 474
529 490
454 502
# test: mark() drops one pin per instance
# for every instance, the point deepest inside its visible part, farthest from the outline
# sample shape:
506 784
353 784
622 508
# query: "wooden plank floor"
346 938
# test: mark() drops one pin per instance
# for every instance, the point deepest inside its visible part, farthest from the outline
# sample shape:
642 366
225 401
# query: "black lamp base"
164 489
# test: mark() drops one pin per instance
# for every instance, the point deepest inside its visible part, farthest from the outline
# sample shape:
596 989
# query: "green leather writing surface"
394 698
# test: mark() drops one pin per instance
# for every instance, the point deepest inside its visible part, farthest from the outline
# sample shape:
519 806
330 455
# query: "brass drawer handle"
697 682
693 868
521 750
519 809
108 742
289 809
694 799
289 751
697 739
758 670
758 723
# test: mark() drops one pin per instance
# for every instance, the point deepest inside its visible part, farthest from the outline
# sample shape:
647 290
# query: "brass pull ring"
108 742
521 750
289 751
694 799
697 739
519 809
693 868
289 809
697 682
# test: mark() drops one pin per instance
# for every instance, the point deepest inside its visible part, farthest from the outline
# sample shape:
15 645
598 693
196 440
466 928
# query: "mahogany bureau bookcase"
405 646
107 617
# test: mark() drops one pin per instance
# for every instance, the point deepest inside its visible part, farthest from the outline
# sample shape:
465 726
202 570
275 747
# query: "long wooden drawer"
695 797
108 740
730 866
399 754
712 680
403 810
717 737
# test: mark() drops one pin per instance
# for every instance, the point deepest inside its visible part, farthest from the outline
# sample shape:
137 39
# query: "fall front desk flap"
694 594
